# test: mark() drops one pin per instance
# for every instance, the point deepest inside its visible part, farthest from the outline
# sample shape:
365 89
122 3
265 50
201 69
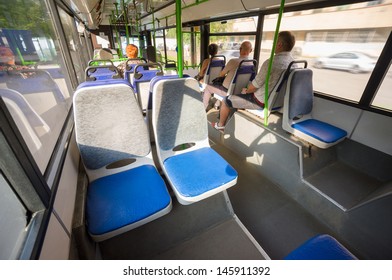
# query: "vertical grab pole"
117 33
125 9
153 34
270 63
179 38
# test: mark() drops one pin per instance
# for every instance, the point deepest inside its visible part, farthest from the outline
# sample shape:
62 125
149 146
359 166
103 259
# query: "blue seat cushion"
320 130
125 198
198 171
321 247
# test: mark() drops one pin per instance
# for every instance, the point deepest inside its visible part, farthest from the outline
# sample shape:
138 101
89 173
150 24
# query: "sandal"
217 126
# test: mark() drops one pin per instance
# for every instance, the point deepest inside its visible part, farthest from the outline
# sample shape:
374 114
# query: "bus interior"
107 157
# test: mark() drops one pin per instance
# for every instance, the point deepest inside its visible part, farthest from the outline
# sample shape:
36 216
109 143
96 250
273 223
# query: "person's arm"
204 66
227 68
250 89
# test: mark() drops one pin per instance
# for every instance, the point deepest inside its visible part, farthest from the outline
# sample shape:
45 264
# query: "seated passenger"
212 51
132 51
227 72
7 57
253 96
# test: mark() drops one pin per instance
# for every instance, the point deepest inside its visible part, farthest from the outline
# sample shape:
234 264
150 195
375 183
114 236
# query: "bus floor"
277 222
224 226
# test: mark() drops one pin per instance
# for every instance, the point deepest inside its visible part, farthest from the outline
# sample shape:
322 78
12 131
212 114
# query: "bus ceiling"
101 12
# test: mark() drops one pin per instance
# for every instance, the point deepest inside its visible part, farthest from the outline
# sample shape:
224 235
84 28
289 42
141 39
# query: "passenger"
6 56
132 51
227 72
253 96
212 51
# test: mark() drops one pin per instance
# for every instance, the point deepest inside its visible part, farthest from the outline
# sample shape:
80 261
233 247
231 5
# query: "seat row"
126 189
293 94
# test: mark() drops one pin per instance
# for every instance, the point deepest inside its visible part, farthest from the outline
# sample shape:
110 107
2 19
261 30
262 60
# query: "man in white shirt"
253 96
228 72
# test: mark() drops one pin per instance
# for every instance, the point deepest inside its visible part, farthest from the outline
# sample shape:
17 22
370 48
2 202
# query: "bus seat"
141 81
29 81
97 62
214 68
194 170
276 96
245 72
125 189
103 83
321 247
297 109
153 81
101 72
150 54
130 65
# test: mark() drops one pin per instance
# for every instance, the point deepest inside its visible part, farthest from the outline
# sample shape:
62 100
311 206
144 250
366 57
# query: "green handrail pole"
153 34
126 21
179 39
20 56
138 35
270 63
117 33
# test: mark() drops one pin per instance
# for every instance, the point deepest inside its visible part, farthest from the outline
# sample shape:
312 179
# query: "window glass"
341 44
171 44
383 99
33 80
13 222
229 46
74 44
21 209
234 25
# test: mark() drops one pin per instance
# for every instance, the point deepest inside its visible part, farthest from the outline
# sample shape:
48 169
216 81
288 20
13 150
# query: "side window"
21 207
382 99
351 31
34 82
229 44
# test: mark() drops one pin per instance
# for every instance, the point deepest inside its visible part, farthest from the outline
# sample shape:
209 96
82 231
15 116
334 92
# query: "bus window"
247 24
341 44
74 45
171 44
383 98
20 206
35 85
229 44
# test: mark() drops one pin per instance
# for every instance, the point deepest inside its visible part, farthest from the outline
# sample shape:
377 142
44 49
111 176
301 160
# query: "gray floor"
208 229
277 222
203 230
344 184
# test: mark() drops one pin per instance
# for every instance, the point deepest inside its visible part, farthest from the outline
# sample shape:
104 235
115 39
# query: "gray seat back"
109 125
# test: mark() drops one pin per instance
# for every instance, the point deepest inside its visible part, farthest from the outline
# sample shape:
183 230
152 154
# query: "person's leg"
244 101
209 90
223 114
206 96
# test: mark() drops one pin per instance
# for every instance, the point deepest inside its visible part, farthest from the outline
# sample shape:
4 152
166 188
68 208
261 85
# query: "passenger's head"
245 48
286 41
132 51
212 49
